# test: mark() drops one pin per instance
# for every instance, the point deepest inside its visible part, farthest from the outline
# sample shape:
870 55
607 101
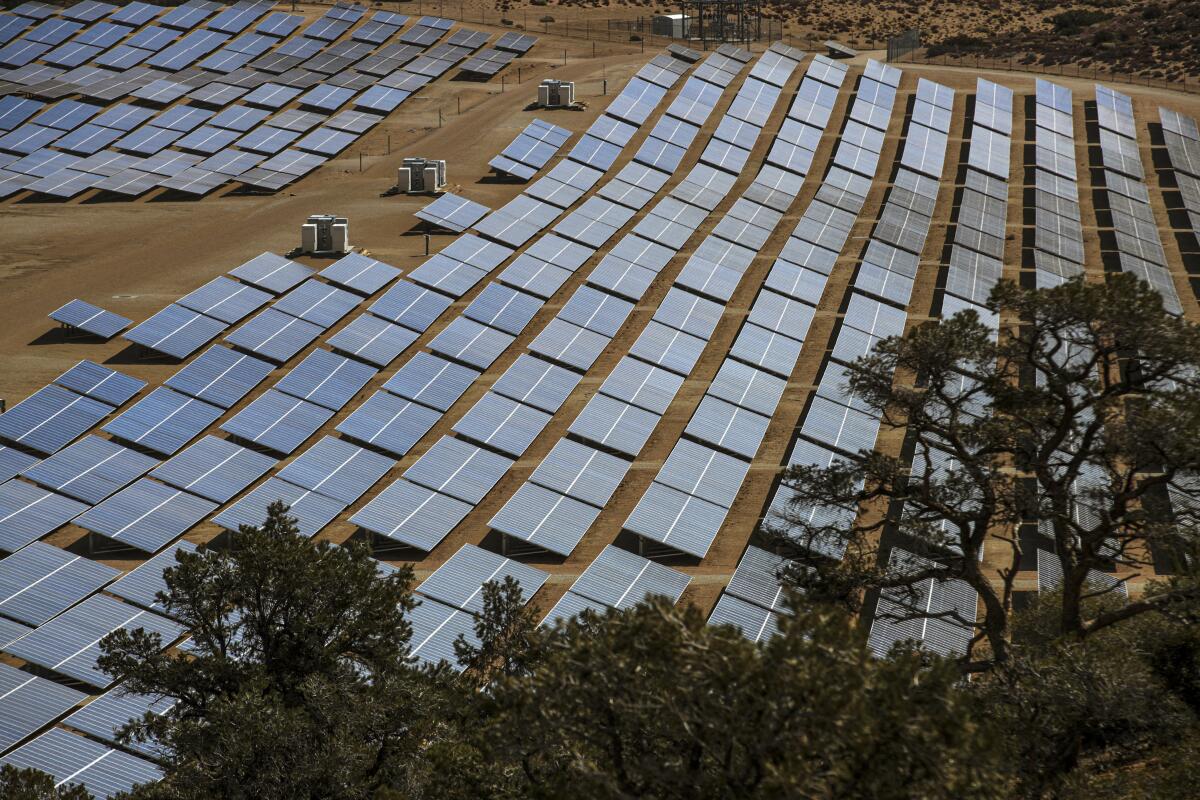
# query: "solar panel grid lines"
29 702
459 581
105 716
69 643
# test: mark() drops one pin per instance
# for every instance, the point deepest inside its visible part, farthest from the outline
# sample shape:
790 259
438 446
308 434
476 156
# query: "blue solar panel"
100 383
107 715
411 514
271 272
40 581
312 511
471 343
15 110
214 468
146 515
70 643
318 303
164 421
225 299
360 273
90 469
275 335
431 381
14 461
390 423
337 469
28 512
373 339
67 114
327 379
50 418
176 331
75 760
142 584
220 376
410 305
278 421
28 703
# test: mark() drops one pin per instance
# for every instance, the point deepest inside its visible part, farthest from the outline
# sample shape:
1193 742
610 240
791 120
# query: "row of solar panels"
1182 138
590 314
976 264
232 301
439 489
1058 232
977 252
752 599
686 504
67 154
1139 248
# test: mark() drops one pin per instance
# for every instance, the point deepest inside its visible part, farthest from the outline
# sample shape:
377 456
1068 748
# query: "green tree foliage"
30 784
1079 419
1108 716
297 682
300 686
654 702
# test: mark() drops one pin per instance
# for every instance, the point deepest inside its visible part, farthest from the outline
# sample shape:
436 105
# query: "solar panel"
312 511
459 581
164 421
175 331
220 376
70 643
615 424
503 308
107 715
411 514
75 760
50 418
337 469
277 421
471 343
388 422
436 627
431 381
360 273
13 462
452 212
677 519
271 272
214 468
40 581
459 469
275 335
755 623
28 703
90 470
100 383
503 424
142 584
620 579
28 512
569 344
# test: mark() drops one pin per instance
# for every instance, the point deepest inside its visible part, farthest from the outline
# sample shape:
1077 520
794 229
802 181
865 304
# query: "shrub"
1071 22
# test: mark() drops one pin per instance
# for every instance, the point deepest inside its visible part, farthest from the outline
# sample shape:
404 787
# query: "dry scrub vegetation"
1153 38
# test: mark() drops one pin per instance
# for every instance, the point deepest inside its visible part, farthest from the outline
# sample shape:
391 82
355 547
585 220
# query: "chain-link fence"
1188 85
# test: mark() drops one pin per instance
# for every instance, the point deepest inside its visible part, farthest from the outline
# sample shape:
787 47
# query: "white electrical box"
421 176
556 94
325 234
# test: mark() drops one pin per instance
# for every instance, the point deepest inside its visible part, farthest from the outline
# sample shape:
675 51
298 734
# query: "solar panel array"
209 95
946 635
292 402
1058 233
1139 247
1181 135
532 149
442 486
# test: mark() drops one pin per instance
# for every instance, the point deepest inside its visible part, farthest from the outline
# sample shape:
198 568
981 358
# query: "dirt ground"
135 257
